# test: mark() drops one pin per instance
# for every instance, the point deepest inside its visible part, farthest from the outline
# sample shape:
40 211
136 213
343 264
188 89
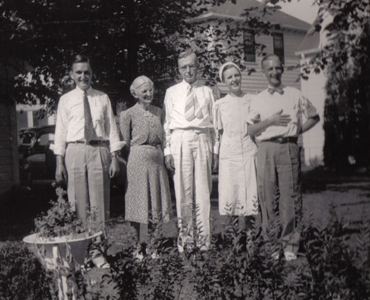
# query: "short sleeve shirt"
291 102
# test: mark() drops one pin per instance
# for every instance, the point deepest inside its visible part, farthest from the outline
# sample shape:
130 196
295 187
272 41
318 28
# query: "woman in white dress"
237 185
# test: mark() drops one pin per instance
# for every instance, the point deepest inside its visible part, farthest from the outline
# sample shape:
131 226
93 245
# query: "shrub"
61 220
240 265
22 276
332 263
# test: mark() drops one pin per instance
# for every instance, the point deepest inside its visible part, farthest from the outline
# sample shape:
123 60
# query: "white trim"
29 118
308 51
216 15
27 107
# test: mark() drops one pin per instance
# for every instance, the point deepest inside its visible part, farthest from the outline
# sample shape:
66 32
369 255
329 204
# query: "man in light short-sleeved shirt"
275 120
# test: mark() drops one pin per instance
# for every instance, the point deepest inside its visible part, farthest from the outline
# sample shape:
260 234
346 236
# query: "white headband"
223 67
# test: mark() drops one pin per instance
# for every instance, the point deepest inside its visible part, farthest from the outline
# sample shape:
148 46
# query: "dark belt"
147 144
282 140
91 143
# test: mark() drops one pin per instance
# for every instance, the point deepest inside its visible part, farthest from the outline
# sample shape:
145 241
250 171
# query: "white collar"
186 84
88 91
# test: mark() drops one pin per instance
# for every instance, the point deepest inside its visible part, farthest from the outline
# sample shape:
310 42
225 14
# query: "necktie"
89 127
273 90
192 108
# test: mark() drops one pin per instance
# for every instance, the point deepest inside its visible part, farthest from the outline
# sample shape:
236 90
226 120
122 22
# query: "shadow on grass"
322 179
20 206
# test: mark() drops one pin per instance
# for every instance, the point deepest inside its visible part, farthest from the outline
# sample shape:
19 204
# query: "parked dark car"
34 140
36 159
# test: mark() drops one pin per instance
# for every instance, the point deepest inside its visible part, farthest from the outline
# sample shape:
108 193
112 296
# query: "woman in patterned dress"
237 186
148 194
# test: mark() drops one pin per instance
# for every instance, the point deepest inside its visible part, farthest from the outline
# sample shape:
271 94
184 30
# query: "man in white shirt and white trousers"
190 152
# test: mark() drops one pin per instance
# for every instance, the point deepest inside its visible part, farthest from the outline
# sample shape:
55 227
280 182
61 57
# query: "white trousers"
192 153
88 180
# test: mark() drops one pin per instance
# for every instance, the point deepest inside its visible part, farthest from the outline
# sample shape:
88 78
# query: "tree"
122 38
344 28
221 39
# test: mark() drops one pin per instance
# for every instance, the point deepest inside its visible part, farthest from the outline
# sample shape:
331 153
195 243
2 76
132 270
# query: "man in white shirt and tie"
190 151
87 143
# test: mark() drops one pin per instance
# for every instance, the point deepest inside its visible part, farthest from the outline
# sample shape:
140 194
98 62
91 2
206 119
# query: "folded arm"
277 119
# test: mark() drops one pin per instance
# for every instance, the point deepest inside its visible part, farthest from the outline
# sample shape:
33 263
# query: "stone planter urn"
62 254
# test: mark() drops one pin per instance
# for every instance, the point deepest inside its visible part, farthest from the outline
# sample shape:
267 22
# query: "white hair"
138 82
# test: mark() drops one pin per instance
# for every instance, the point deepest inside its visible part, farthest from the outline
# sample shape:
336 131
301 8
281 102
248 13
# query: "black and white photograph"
185 149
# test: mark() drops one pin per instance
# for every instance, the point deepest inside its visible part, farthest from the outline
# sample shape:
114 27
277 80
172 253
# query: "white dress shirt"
174 106
71 121
291 102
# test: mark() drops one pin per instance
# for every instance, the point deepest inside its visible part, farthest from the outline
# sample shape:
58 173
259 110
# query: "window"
249 45
27 137
279 45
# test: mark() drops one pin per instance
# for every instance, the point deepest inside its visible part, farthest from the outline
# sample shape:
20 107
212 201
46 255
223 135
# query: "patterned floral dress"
237 184
148 192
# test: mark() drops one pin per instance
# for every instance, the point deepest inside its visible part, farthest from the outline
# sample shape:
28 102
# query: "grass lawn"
348 195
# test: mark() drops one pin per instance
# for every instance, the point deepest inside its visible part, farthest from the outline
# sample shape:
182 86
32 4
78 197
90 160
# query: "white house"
289 42
314 89
284 41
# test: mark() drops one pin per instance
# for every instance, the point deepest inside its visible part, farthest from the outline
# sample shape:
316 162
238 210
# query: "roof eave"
307 52
211 15
293 28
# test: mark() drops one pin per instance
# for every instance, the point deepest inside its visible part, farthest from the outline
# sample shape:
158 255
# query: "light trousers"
279 189
88 180
192 153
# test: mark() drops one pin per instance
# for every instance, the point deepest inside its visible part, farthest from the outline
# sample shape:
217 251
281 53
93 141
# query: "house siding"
256 82
314 90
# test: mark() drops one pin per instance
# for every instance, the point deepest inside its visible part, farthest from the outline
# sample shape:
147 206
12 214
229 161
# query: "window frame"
248 55
279 51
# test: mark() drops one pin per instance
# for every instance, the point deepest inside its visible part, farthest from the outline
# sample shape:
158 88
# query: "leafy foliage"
61 220
331 264
123 39
239 265
22 276
344 28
